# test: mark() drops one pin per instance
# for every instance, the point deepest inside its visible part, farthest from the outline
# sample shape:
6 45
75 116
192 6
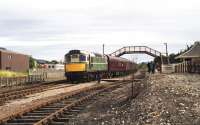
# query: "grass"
4 73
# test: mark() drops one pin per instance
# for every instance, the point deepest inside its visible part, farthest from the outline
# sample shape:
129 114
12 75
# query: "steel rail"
45 113
11 95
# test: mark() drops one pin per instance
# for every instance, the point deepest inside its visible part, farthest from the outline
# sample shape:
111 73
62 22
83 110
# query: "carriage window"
92 59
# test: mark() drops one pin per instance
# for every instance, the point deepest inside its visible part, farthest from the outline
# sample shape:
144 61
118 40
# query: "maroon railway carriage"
118 66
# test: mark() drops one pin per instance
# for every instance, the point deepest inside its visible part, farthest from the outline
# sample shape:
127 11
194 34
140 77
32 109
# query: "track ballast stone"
172 99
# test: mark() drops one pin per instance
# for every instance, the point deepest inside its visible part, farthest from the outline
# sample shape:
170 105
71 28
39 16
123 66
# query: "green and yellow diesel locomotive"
81 65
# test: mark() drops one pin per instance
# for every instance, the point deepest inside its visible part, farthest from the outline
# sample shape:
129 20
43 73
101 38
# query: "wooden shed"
192 55
191 60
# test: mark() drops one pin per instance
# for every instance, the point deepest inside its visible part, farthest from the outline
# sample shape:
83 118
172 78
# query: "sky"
47 29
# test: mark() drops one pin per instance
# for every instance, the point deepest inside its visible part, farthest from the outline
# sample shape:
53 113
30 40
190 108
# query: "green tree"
32 63
142 65
172 58
54 62
157 60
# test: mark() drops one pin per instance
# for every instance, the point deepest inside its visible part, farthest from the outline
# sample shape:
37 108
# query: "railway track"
22 92
27 86
61 110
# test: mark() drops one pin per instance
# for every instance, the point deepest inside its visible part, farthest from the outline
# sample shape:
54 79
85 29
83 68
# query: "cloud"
34 25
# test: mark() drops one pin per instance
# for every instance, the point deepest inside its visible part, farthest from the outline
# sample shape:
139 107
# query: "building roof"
9 51
42 61
193 52
2 48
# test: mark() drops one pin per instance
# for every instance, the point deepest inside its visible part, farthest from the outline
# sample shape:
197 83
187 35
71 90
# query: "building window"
8 68
9 57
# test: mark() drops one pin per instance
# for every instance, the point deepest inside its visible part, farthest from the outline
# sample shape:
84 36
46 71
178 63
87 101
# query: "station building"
192 55
191 60
56 66
13 61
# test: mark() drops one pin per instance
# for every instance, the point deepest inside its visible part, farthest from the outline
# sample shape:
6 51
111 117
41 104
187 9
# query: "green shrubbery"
142 66
4 73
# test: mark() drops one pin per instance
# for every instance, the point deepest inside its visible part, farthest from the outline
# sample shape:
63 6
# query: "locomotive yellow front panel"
75 67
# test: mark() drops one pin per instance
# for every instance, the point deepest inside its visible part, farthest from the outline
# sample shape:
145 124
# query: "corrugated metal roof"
193 52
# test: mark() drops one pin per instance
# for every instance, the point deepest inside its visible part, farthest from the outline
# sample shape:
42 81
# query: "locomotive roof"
92 54
84 52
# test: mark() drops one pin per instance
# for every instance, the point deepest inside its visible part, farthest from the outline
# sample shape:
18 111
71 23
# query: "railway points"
21 104
37 100
62 105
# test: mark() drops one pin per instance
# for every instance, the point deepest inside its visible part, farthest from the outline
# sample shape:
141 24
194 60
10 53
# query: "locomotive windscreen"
82 58
74 52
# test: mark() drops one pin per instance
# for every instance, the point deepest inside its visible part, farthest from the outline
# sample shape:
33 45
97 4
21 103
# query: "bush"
4 73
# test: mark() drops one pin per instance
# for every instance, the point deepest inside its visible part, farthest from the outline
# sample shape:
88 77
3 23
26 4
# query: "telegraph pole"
167 53
103 49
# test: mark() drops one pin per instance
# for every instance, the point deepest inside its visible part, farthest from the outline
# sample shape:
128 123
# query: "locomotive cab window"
74 58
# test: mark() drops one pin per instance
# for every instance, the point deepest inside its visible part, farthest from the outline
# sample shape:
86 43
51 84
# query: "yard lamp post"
103 49
167 53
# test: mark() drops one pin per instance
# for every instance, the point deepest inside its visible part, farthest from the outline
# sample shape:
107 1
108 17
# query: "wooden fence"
35 76
15 81
187 68
50 74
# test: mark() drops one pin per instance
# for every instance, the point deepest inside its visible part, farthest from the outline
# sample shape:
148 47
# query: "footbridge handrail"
136 49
